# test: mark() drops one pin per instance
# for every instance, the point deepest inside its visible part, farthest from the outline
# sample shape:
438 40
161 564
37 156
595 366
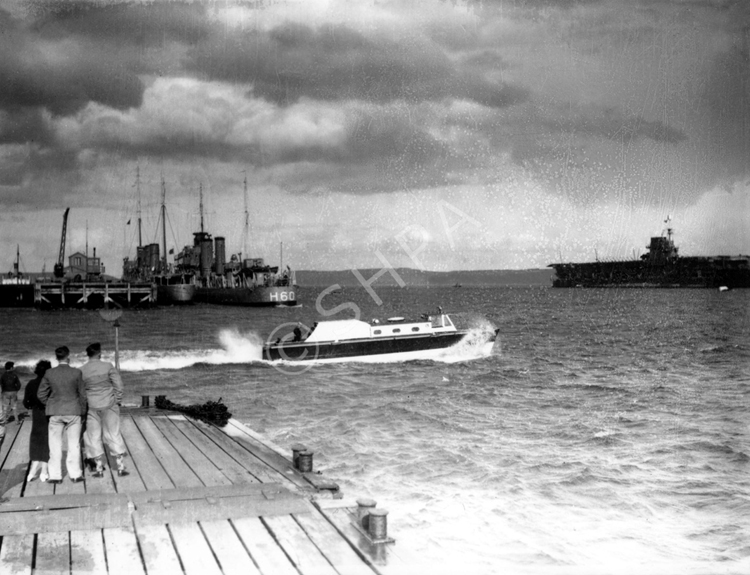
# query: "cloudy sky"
493 134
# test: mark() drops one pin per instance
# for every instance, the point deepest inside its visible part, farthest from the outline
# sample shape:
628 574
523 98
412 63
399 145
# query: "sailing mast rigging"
200 191
164 223
246 230
138 187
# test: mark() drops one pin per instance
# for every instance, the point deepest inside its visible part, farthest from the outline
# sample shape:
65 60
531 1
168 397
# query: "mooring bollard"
378 527
297 448
145 401
305 461
364 506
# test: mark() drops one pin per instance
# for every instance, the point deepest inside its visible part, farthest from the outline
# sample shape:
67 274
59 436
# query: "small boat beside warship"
396 338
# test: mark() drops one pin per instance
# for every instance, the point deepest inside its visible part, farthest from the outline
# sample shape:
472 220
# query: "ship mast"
164 222
138 186
201 204
246 231
87 249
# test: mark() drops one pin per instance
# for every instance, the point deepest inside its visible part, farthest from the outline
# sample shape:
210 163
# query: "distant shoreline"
413 277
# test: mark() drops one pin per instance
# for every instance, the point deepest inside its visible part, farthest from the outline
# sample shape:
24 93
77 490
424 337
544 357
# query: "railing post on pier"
305 461
364 506
297 448
378 525
145 401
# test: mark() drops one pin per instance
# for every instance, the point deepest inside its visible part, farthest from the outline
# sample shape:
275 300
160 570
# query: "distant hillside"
412 277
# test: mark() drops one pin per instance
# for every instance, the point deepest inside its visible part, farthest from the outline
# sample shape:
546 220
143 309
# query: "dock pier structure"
94 294
198 499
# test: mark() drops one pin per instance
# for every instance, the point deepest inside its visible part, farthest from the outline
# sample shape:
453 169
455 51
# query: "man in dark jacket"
63 393
10 385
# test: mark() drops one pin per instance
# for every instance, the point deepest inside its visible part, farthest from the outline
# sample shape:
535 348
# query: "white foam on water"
236 347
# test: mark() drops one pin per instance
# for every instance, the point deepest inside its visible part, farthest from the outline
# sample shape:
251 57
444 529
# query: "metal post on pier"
113 315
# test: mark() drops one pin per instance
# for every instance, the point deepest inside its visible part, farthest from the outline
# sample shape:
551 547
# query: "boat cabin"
349 329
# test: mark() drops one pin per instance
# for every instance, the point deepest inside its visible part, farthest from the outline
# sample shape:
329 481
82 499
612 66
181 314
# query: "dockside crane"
59 269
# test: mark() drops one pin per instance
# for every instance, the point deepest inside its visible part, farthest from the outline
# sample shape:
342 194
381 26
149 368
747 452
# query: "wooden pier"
94 294
199 499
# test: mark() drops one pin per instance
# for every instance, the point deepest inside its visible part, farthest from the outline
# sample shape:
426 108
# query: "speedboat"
396 337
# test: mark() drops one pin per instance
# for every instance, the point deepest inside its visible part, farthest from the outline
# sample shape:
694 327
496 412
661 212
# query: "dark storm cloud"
37 176
613 126
150 25
727 93
22 125
338 63
60 76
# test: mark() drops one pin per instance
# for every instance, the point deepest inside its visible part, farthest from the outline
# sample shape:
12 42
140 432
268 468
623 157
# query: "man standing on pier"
10 385
64 395
104 391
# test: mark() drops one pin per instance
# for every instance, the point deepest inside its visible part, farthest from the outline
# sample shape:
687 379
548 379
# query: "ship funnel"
221 258
207 256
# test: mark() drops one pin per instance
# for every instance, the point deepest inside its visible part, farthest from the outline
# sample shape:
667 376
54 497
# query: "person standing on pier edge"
64 395
10 385
104 392
39 438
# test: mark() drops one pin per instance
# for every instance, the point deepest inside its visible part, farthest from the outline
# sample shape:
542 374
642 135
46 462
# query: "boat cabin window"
441 320
415 329
396 330
378 331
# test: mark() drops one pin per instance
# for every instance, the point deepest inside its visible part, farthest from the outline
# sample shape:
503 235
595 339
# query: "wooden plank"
267 491
157 550
266 554
67 487
231 469
201 465
258 490
12 432
299 548
336 549
144 461
16 465
257 437
257 467
38 488
104 484
126 483
194 551
53 520
53 553
269 456
61 501
87 552
123 557
180 512
17 554
232 556
179 472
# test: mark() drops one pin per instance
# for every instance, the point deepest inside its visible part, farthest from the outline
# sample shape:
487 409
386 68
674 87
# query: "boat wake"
236 347
247 347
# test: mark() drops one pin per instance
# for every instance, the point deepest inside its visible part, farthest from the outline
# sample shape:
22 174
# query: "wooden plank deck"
199 499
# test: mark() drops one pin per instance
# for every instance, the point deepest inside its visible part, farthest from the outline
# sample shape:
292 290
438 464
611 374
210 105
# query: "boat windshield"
441 320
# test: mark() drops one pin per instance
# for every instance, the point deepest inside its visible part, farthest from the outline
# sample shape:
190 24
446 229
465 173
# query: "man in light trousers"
64 396
104 391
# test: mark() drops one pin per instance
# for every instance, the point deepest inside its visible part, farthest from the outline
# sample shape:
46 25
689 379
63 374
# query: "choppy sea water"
607 432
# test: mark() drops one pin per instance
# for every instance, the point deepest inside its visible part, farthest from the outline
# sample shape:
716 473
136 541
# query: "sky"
431 134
